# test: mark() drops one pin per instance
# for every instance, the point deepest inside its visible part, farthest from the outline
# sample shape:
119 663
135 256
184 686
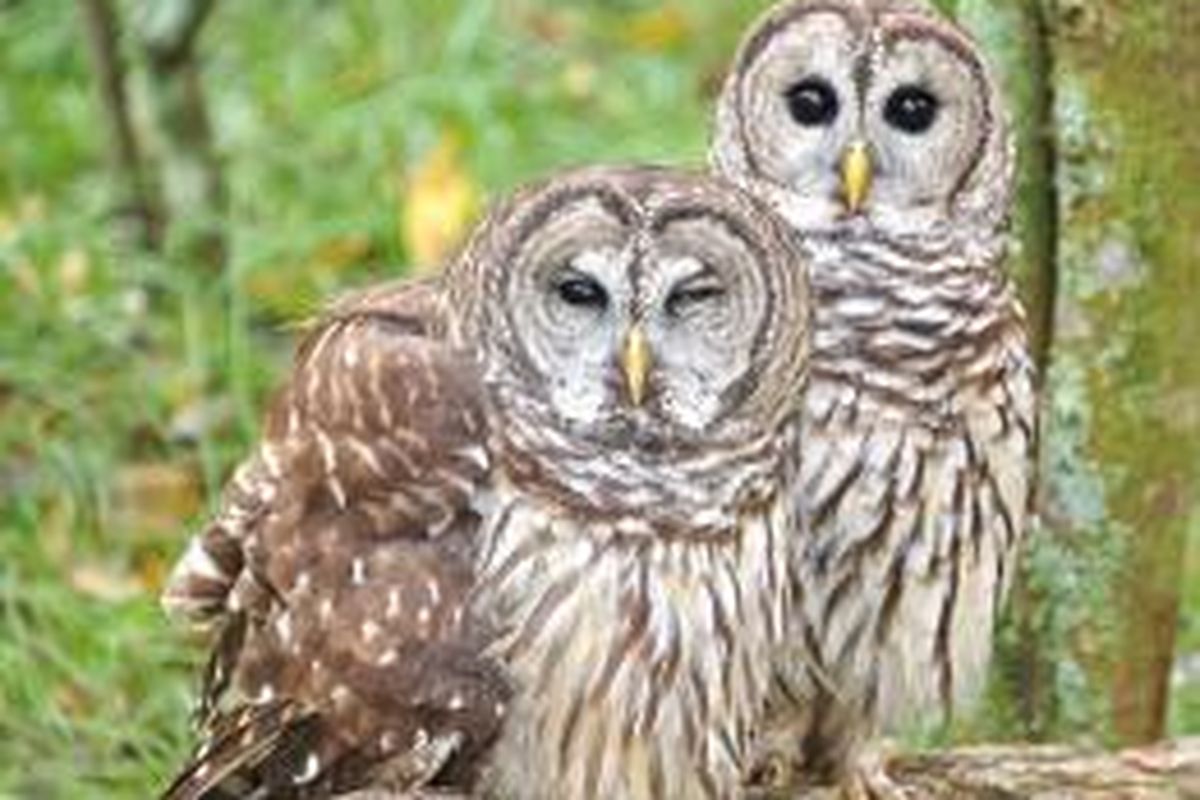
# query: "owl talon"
772 776
869 778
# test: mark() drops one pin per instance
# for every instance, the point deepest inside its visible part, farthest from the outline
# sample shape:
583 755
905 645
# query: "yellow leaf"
73 270
294 289
579 79
658 29
26 278
340 253
152 572
440 201
284 293
157 498
30 210
104 583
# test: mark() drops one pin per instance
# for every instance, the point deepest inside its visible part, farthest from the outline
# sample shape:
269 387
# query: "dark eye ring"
812 102
687 296
582 292
912 109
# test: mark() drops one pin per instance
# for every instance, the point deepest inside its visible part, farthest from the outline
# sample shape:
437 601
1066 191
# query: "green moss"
1104 211
1129 260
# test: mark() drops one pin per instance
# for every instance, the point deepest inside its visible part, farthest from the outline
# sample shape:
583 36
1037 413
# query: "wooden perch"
1164 772
1050 772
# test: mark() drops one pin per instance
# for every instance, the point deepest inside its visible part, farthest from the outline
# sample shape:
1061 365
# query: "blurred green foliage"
130 383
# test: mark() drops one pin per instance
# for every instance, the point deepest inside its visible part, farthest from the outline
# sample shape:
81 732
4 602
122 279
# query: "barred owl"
875 128
519 531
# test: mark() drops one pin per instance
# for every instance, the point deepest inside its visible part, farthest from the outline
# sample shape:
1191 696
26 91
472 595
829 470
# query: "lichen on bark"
1104 94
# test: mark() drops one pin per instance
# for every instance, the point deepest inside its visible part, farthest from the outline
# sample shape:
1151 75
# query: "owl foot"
868 778
774 776
413 771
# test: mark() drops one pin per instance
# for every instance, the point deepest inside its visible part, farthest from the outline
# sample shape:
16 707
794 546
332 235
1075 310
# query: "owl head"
874 118
633 322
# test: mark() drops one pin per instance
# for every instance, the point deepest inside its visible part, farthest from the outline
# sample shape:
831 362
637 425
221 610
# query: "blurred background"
183 182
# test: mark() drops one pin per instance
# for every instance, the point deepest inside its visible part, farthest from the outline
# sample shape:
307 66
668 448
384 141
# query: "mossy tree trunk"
1128 75
1105 94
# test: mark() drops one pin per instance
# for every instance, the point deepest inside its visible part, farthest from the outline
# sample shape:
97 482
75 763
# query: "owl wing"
336 573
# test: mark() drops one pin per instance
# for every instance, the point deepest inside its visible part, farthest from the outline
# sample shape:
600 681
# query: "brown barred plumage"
875 128
470 555
338 567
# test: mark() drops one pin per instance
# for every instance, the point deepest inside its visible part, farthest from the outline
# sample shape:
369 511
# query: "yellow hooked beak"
635 363
857 172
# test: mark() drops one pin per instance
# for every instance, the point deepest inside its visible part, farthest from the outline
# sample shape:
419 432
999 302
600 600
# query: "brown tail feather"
259 750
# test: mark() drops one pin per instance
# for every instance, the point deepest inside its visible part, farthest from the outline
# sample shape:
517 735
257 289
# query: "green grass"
319 109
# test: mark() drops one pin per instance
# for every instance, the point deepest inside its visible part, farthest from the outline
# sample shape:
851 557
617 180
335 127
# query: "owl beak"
635 363
857 172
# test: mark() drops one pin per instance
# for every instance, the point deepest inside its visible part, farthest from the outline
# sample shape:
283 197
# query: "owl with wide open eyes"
876 129
519 531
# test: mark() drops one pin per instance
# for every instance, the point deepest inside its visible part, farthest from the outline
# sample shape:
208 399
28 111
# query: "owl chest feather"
640 663
913 490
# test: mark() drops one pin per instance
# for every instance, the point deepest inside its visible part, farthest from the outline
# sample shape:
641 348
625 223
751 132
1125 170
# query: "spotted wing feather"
338 569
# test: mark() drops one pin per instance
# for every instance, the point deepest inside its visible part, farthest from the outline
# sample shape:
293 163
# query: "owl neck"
910 320
699 495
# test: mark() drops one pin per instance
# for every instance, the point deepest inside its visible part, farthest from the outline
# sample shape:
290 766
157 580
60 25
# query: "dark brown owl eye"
583 292
690 295
812 102
912 109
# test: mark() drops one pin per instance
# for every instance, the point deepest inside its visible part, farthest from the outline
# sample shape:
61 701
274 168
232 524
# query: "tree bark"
1167 772
101 28
1129 83
1104 93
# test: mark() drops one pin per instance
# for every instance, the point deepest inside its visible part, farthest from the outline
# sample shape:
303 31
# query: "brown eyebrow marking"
554 202
785 19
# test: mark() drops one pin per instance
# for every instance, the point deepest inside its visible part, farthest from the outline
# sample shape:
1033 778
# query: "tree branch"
169 29
1157 773
1164 772
101 29
192 181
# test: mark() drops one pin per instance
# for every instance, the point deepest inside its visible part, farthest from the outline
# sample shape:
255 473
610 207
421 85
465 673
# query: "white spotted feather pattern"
433 577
